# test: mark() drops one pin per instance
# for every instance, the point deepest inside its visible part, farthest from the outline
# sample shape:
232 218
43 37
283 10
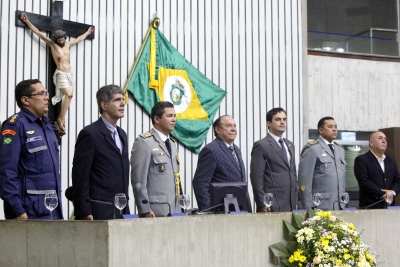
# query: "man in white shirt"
377 174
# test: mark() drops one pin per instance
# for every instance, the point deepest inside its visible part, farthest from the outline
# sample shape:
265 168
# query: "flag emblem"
161 73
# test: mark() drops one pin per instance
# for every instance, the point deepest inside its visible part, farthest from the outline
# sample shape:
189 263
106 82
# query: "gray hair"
104 94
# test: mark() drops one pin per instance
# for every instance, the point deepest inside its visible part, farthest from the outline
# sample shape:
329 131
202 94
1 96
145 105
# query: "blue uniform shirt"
29 166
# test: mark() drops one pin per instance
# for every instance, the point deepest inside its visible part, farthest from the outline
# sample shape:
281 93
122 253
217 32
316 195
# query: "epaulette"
313 142
338 144
146 134
11 120
172 139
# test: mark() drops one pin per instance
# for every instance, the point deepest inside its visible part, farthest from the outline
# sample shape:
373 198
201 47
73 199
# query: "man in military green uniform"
322 168
155 165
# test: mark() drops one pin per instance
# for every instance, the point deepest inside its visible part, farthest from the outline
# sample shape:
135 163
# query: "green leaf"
279 250
288 231
292 246
297 219
311 212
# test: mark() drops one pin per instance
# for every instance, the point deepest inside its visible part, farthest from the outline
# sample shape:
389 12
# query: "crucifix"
61 84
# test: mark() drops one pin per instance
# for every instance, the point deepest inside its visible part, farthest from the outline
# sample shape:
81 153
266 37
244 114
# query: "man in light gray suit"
155 165
322 168
273 166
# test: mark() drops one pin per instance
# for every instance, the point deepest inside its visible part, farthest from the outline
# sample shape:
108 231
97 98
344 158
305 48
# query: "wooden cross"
50 24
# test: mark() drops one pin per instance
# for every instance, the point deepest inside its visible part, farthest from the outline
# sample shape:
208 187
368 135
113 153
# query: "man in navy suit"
101 164
377 174
219 162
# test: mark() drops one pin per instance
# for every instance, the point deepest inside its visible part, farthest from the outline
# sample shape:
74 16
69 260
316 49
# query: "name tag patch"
33 139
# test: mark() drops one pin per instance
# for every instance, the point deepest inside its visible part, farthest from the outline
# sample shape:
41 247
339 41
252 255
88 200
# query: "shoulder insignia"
13 118
146 134
338 144
30 132
313 142
172 139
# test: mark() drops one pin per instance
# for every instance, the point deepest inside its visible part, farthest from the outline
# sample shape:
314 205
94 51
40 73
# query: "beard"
60 44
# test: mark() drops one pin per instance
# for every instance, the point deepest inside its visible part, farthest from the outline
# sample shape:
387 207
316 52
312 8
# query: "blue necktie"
117 140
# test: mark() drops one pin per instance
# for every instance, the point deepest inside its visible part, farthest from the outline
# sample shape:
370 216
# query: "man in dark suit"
273 166
219 162
101 164
377 174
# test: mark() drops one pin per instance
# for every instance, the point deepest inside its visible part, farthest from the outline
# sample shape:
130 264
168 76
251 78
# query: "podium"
195 241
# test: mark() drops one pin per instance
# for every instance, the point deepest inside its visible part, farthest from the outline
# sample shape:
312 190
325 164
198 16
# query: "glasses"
41 93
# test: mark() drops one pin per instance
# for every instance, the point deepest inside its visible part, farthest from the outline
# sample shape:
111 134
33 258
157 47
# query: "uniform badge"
13 118
8 131
30 132
155 149
323 154
162 168
138 185
303 187
161 154
7 140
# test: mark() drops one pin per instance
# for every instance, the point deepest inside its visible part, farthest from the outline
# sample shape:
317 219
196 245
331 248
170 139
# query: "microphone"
273 185
210 208
99 201
379 201
341 202
145 201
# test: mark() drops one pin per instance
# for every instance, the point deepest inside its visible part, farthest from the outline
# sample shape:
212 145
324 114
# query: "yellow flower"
332 218
346 256
352 226
291 259
316 260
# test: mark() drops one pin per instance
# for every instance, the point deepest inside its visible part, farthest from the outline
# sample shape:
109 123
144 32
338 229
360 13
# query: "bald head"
378 142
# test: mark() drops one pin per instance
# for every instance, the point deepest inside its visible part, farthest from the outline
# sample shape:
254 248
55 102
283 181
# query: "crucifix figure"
63 78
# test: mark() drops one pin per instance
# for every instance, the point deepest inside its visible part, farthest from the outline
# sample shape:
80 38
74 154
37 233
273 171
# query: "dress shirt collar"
326 141
108 124
276 138
161 135
383 156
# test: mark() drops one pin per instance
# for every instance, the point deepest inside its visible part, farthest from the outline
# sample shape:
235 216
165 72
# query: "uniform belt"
40 192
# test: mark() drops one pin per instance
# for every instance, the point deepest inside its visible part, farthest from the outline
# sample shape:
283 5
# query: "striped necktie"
234 155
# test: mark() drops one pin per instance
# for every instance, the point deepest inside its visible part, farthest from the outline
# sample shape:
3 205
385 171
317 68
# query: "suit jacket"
271 173
216 164
324 172
99 171
153 172
371 179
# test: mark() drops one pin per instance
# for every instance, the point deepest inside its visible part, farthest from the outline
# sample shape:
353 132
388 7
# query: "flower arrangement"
323 240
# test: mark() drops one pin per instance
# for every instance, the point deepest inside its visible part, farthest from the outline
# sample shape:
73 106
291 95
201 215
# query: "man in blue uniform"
29 159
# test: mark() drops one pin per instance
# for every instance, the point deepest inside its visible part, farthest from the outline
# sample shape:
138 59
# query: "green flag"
161 73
